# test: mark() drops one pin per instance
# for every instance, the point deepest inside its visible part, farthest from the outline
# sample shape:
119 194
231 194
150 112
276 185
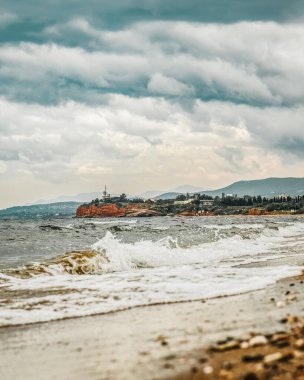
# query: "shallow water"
130 262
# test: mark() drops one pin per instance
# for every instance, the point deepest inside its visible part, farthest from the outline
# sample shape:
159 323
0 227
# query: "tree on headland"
122 197
181 197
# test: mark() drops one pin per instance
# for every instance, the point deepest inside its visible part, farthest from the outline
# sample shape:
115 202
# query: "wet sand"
155 342
277 355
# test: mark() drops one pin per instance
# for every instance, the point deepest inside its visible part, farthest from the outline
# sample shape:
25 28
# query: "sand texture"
153 342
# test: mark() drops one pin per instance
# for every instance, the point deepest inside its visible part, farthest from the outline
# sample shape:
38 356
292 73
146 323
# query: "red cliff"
93 211
111 210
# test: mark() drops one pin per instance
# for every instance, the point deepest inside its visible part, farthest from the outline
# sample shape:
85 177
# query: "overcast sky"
148 94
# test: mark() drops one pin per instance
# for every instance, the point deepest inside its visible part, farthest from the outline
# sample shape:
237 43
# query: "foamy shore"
139 343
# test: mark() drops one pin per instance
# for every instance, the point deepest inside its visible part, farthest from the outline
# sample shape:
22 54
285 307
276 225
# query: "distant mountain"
59 209
268 187
170 195
82 197
186 189
150 194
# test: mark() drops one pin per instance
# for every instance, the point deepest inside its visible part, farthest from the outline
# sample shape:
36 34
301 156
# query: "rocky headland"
191 205
114 211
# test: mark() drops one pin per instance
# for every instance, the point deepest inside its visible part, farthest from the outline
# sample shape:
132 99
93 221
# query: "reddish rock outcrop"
256 211
113 211
104 211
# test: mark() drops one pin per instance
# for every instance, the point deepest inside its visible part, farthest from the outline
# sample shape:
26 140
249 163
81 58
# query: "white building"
207 202
187 201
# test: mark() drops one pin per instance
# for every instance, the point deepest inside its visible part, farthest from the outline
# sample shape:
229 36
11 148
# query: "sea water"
60 268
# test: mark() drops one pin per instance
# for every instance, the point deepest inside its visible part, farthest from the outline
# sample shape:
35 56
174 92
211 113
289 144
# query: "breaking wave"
115 275
74 263
111 254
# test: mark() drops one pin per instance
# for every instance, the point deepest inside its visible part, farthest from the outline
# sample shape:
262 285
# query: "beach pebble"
272 358
230 345
244 345
208 370
224 374
300 344
259 367
298 354
279 337
258 340
281 304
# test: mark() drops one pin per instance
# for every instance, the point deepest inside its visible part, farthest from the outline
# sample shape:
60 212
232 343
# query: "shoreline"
152 342
189 207
190 216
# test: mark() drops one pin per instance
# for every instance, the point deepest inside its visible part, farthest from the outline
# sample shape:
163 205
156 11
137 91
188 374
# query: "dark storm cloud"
177 60
32 16
54 51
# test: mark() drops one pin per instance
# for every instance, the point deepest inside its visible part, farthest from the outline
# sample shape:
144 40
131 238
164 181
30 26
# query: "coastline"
152 342
192 206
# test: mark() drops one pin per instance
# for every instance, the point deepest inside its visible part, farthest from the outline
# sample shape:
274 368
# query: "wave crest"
111 254
74 263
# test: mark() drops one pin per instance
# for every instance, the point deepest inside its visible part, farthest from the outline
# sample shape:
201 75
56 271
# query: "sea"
53 269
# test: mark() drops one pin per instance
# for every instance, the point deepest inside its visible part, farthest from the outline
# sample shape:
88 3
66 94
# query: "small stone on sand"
259 340
272 358
207 370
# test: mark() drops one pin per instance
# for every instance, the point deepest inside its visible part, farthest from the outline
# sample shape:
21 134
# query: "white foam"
145 272
166 252
90 295
114 221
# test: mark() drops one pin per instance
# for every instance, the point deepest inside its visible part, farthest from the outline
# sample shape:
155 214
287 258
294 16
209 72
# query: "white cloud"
74 147
161 84
254 129
248 61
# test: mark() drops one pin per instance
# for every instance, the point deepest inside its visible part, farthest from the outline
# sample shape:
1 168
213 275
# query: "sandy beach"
151 190
156 342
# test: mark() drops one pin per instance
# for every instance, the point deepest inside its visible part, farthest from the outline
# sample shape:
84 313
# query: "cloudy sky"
148 94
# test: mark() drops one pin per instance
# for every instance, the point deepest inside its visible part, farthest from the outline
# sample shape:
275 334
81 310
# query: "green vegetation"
58 210
200 204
